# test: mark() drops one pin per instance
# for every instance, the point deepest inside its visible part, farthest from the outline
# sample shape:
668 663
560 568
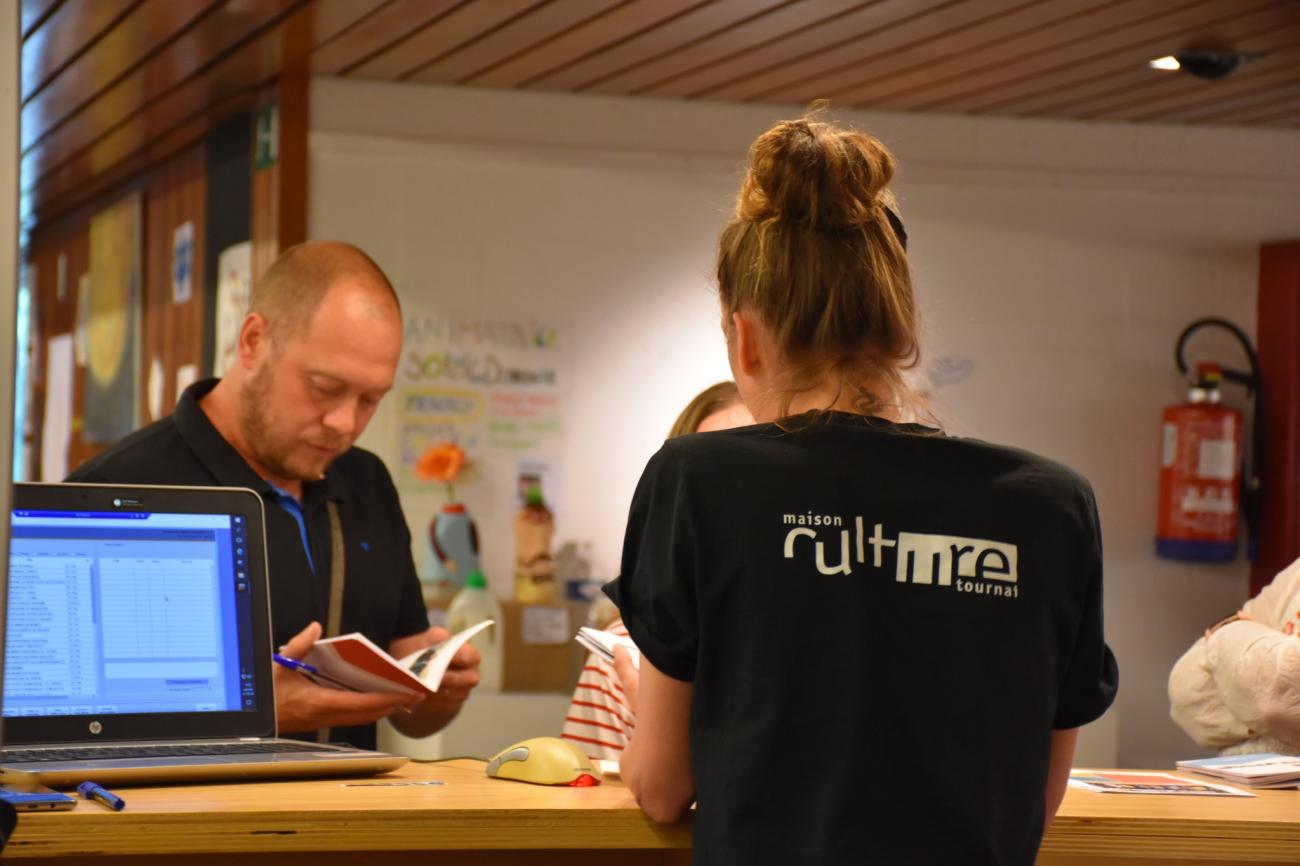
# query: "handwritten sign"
495 387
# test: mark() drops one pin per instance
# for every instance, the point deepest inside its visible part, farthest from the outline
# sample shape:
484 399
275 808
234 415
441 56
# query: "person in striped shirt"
599 719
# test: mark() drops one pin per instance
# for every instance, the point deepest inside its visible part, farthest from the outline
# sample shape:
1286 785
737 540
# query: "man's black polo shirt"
381 598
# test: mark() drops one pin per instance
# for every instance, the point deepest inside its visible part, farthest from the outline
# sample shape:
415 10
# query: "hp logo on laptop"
96 727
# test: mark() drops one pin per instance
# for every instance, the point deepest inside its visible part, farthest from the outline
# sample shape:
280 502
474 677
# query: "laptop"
138 646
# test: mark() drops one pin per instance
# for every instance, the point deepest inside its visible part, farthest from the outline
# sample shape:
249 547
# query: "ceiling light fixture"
1203 64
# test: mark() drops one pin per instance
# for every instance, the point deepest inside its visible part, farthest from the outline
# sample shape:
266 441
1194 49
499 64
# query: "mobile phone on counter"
35 798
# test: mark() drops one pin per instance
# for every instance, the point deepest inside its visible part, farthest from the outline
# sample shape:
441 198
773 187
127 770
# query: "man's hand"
437 710
301 705
628 676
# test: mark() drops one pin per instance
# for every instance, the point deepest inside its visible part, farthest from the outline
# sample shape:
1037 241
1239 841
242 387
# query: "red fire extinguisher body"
1200 478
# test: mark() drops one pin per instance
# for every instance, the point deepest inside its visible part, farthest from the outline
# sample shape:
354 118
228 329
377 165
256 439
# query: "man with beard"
317 351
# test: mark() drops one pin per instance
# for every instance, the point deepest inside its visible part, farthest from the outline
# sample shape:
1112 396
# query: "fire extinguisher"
1205 484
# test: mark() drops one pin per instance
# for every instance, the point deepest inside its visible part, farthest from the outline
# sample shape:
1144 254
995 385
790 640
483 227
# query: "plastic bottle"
473 604
450 553
534 566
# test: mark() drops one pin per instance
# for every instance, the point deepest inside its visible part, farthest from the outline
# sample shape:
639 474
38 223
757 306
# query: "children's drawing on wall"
494 391
495 387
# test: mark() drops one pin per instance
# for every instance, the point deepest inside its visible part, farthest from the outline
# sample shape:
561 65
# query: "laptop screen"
136 613
127 612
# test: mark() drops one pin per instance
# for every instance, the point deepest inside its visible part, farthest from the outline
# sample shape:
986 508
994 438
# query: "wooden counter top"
467 811
1100 828
471 819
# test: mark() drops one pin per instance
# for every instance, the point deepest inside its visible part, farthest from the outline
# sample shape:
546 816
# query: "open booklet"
351 661
602 643
1259 770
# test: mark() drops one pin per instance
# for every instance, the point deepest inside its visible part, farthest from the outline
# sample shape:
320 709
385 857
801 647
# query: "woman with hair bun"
863 640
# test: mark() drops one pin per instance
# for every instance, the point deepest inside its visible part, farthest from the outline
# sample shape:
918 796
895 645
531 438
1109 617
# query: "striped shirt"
599 719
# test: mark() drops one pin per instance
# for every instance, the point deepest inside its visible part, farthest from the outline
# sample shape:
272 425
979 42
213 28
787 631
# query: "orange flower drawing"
442 461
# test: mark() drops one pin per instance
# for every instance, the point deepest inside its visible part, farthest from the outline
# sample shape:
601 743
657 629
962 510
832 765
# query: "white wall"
1055 262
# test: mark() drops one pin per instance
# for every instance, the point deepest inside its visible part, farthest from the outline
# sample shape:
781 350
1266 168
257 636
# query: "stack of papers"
1109 782
602 643
1265 770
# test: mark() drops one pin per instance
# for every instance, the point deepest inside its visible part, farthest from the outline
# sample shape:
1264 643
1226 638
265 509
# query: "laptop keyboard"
109 753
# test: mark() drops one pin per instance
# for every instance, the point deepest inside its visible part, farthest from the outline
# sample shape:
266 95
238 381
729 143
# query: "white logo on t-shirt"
970 564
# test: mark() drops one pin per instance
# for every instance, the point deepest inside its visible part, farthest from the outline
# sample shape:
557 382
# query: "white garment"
599 719
1239 689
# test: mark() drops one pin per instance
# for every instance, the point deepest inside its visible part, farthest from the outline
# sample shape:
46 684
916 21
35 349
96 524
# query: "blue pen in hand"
311 672
91 791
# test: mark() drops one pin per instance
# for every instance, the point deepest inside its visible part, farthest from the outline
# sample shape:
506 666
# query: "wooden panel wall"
172 193
69 238
172 332
279 195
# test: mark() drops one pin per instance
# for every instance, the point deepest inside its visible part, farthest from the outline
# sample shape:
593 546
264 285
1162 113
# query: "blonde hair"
712 399
815 251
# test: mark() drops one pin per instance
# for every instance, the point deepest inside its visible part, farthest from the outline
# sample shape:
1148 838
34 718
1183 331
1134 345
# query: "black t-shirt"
381 597
882 624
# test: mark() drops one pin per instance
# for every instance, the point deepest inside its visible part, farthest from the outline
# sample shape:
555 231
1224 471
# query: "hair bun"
811 173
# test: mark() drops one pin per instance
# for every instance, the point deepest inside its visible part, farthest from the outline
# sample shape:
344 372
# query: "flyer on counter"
1149 783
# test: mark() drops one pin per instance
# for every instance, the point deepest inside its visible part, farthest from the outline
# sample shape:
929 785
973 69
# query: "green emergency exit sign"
266 138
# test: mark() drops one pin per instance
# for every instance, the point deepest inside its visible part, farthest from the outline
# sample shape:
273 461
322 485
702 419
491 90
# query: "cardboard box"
538 653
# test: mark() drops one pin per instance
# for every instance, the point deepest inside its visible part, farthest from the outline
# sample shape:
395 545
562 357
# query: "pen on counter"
103 796
315 674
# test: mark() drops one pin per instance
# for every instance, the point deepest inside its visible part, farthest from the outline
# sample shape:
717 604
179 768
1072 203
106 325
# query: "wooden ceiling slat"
1165 94
875 68
798 43
126 46
158 151
879 88
1247 106
653 43
114 85
459 27
900 35
225 81
387 25
72 28
658 76
998 86
1139 85
1148 94
598 34
987 71
1174 93
516 37
1128 67
332 18
188 55
255 61
1286 117
32 13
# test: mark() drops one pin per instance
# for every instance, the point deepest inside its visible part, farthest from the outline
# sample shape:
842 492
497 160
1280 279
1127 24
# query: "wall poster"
234 293
113 323
494 387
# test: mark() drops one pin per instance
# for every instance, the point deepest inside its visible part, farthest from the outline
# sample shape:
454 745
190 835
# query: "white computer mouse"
544 761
